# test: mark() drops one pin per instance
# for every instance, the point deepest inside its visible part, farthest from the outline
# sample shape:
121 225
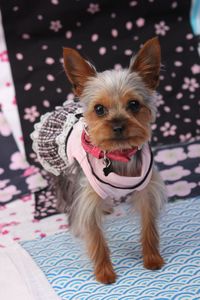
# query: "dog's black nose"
118 129
118 126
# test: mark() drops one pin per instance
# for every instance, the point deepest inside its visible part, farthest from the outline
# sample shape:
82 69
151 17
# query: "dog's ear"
147 63
78 70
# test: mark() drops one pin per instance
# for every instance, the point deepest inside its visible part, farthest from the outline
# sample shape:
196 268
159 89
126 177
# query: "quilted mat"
62 259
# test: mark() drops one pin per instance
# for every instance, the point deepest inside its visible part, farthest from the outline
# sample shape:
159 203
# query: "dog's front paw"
153 261
105 274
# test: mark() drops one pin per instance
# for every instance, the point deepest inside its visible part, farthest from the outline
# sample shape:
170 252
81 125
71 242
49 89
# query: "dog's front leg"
86 220
149 202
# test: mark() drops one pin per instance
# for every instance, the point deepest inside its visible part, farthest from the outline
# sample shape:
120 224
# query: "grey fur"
131 168
116 83
65 186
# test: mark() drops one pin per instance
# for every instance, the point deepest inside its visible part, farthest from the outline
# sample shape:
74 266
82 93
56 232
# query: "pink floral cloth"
17 177
8 101
118 30
180 168
17 222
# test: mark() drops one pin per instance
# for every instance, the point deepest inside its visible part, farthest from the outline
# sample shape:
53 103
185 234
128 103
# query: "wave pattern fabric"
107 33
62 259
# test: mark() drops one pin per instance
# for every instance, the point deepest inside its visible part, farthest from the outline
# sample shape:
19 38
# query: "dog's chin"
122 143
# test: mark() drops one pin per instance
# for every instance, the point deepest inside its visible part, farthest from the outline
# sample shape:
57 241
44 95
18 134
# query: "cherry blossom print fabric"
45 199
107 33
17 222
7 93
179 166
17 177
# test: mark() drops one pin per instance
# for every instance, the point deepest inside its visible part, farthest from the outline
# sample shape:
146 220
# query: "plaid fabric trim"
49 137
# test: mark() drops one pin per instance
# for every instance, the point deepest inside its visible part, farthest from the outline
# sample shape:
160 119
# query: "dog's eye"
100 110
134 105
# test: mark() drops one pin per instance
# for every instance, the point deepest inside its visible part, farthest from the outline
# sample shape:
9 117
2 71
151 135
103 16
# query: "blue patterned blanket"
63 260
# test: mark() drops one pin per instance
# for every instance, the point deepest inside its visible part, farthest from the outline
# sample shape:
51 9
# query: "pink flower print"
31 113
18 161
1 171
27 86
194 151
7 193
161 28
2 225
14 102
133 3
140 22
168 129
26 198
35 221
190 84
35 181
102 50
174 173
4 56
3 207
9 224
158 100
195 69
55 25
59 219
29 171
55 2
93 8
64 226
3 183
42 235
47 199
170 156
180 188
4 127
197 169
186 137
117 67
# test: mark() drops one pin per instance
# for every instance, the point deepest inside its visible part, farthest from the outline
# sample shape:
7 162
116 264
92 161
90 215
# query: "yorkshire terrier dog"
102 153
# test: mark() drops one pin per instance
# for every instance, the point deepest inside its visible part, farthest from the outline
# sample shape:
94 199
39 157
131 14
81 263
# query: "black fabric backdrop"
106 32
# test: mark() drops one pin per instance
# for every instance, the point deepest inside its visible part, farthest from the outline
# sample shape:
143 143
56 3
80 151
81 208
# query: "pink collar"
123 156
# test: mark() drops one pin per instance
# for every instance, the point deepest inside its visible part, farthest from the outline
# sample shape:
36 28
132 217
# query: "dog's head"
119 106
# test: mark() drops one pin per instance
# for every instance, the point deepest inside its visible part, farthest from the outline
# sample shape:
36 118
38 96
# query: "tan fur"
77 69
149 203
87 213
100 129
114 89
147 63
